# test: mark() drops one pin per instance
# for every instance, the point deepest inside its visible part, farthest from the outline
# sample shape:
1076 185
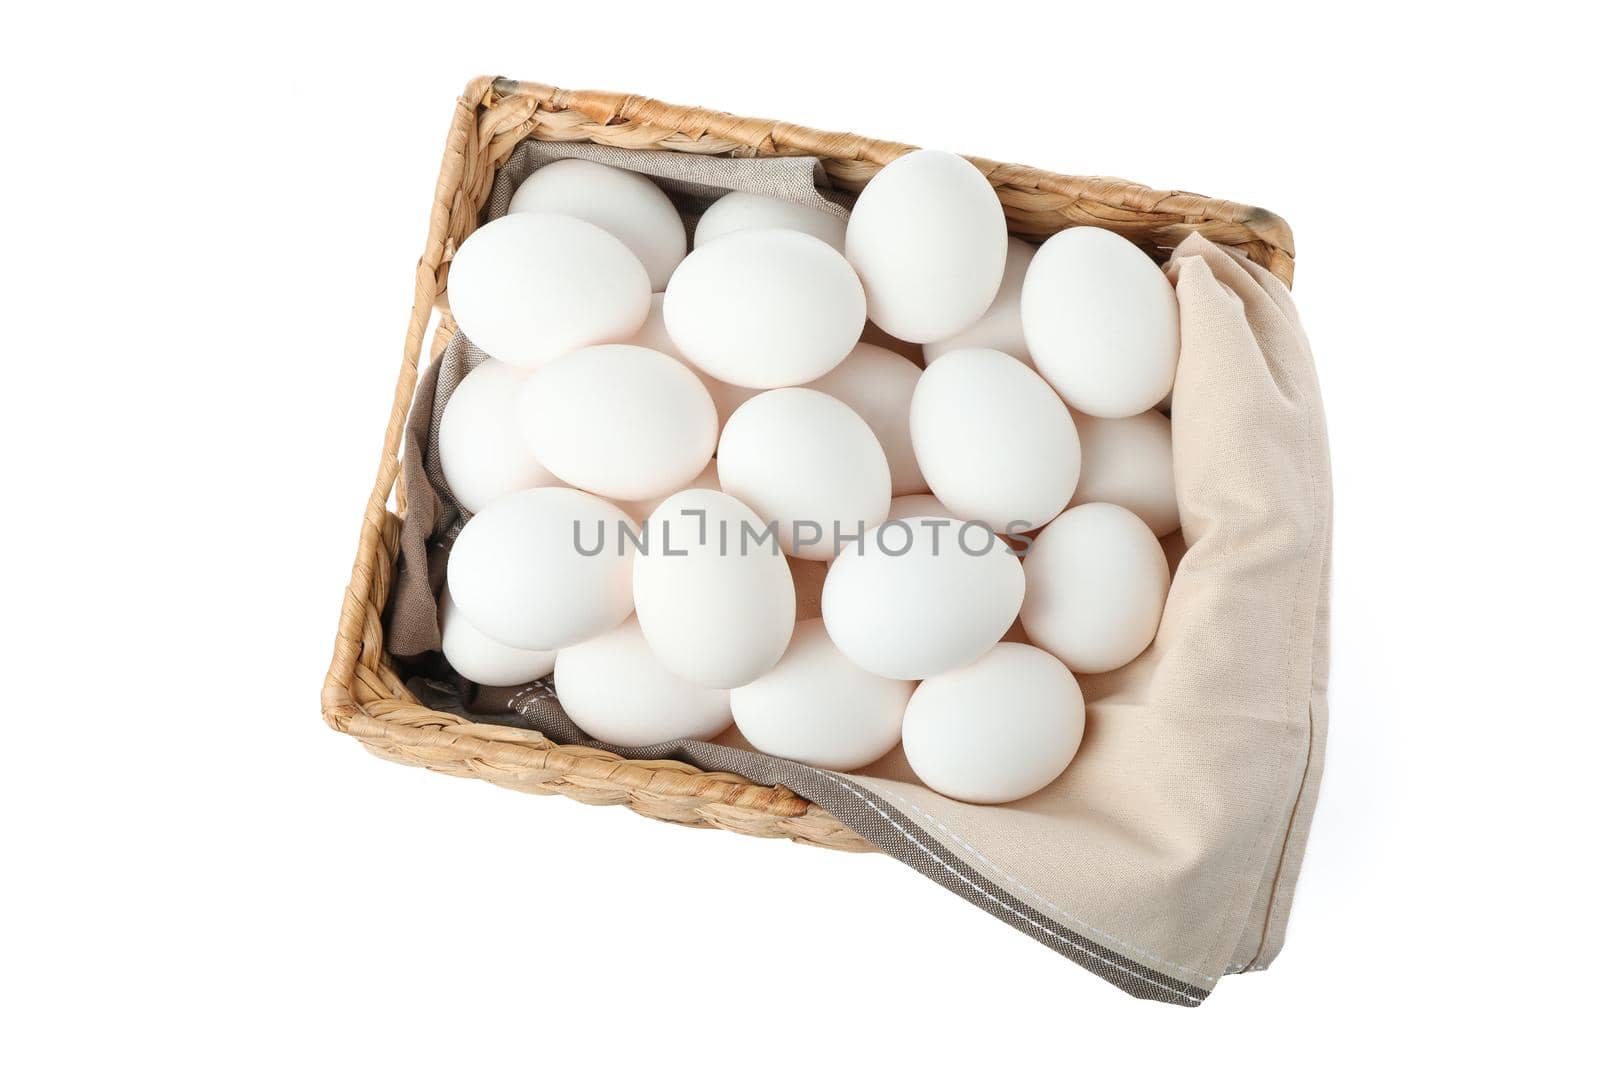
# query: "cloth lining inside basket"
1147 862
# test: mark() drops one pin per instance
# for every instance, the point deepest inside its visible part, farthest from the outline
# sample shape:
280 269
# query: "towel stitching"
1036 896
1028 919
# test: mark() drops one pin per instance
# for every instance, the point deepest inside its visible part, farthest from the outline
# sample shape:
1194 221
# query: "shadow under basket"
364 694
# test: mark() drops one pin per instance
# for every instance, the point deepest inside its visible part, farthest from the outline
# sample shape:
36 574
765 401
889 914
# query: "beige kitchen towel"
1175 838
1166 855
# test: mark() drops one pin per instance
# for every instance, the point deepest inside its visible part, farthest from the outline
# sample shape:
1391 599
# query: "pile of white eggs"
667 443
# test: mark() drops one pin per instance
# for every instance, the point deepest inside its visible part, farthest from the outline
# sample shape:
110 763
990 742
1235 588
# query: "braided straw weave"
364 697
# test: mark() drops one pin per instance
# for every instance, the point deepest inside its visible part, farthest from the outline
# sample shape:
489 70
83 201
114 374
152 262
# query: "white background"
213 215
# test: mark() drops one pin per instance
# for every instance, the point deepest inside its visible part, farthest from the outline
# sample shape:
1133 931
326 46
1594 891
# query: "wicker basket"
364 697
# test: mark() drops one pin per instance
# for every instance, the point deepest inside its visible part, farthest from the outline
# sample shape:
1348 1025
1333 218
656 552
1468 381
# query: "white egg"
917 505
817 707
1097 583
477 657
928 237
714 596
529 287
628 206
639 510
653 334
921 597
808 464
480 441
620 421
1001 326
544 568
765 308
997 730
1101 321
616 691
752 211
1129 462
994 441
877 385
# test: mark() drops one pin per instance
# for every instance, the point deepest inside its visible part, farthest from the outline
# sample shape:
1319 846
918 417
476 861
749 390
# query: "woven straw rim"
364 697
